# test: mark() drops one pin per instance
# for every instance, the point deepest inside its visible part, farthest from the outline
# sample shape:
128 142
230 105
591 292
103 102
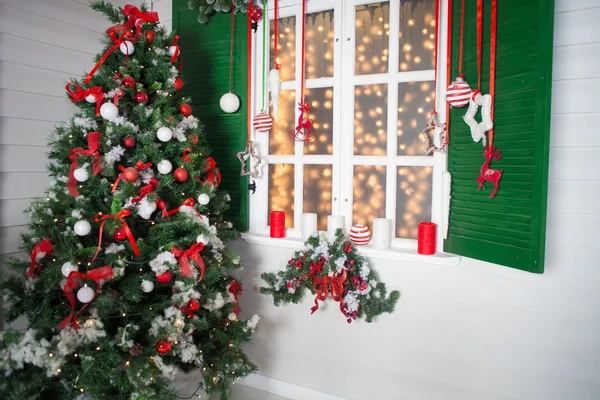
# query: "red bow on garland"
135 19
320 285
146 190
93 147
120 216
236 289
213 175
73 283
80 94
39 251
189 202
184 257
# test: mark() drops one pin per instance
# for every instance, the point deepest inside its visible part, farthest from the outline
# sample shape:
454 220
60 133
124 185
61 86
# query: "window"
370 84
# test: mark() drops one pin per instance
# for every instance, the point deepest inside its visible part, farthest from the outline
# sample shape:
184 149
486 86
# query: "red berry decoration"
140 97
185 110
193 305
128 82
180 174
163 346
129 142
194 139
130 174
150 35
165 277
178 84
120 234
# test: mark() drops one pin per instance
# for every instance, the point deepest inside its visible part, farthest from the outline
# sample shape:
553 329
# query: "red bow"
40 250
186 155
120 216
177 49
320 286
140 167
118 94
187 202
80 94
135 19
73 283
117 44
184 257
149 188
213 175
236 289
93 147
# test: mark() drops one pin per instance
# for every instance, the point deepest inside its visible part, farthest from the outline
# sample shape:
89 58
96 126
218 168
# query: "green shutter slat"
205 53
509 229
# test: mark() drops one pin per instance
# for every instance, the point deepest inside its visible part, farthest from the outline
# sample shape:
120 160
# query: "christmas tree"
129 280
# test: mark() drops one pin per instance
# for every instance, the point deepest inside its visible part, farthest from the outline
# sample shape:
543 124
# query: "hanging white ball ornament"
82 228
85 294
229 103
203 199
109 111
164 134
67 268
81 174
164 167
90 98
147 286
127 48
202 239
172 50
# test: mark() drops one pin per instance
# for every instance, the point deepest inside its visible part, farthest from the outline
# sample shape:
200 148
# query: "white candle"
309 225
333 223
382 233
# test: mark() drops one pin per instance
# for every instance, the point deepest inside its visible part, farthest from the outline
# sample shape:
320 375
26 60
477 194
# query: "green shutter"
205 53
510 229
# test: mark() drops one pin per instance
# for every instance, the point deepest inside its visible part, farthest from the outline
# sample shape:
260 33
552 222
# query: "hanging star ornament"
429 135
249 153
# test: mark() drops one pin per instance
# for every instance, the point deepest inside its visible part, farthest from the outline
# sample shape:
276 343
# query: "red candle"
277 224
426 243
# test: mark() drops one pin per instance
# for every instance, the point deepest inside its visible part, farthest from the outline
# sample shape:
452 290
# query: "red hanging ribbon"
74 154
460 43
186 154
448 58
249 121
435 53
118 42
146 190
236 289
80 94
40 250
184 257
321 287
213 175
493 35
73 283
187 202
479 35
135 19
121 217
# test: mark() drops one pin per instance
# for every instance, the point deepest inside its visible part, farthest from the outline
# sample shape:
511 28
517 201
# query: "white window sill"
396 254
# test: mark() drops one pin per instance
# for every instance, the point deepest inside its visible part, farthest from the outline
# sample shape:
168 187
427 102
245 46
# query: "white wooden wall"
476 331
42 44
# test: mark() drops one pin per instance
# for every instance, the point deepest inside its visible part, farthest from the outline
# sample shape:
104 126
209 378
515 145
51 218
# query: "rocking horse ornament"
490 175
302 132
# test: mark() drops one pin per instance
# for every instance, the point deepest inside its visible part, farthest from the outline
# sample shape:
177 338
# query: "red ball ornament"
129 142
130 174
150 35
193 305
163 346
178 84
180 174
256 14
128 82
194 139
120 234
185 110
165 277
140 97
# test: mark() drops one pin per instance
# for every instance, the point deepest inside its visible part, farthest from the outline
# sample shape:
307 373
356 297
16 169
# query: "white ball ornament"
202 239
127 48
203 199
90 98
229 103
85 294
164 167
164 134
172 50
82 228
147 286
67 268
109 111
81 174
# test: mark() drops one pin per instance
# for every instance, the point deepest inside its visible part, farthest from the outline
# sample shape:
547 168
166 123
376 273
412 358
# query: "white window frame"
343 119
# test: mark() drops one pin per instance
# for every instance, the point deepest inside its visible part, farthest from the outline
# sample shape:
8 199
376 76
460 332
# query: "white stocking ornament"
478 129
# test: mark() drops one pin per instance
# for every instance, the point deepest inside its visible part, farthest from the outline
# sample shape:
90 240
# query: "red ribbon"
184 257
321 285
80 94
120 216
236 289
118 42
140 167
186 155
74 154
35 267
135 19
73 283
177 52
149 188
213 175
187 202
118 94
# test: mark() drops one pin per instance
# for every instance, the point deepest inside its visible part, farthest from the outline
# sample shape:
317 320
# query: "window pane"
369 194
319 45
417 35
286 48
321 112
281 191
279 139
370 120
372 37
413 200
415 104
317 192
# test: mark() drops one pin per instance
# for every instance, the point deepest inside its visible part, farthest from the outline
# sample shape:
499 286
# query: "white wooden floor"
241 392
